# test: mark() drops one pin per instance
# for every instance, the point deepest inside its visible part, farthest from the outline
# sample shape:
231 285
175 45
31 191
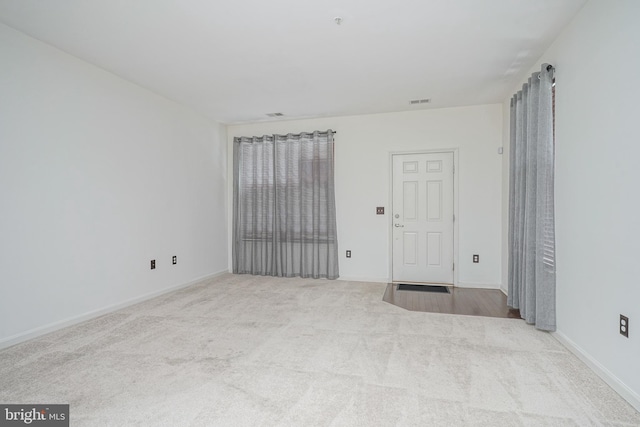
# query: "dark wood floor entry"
471 302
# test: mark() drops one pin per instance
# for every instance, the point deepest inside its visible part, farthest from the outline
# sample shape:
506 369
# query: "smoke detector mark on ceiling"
275 114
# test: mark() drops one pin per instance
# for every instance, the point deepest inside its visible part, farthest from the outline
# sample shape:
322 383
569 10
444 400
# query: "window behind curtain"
284 205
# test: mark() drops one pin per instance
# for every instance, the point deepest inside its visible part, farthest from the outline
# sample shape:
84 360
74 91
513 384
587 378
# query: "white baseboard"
614 382
387 280
45 329
364 279
475 285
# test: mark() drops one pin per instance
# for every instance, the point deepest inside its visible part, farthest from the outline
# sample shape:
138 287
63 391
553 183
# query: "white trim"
614 382
476 285
504 291
45 329
363 279
456 192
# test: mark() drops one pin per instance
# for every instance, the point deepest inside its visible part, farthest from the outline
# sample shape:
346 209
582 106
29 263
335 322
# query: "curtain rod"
310 133
292 134
550 69
298 134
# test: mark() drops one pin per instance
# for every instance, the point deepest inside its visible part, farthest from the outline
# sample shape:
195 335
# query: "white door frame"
455 205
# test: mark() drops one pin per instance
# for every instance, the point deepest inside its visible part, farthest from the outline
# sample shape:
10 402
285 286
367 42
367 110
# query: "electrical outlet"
476 259
348 254
153 264
174 260
624 326
380 210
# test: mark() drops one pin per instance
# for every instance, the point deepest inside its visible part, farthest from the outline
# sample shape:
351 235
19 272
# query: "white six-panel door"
423 218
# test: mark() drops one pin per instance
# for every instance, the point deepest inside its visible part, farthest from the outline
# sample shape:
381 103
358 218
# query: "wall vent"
275 114
420 101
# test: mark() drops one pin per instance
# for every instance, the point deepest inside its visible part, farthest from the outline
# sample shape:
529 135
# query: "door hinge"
454 168
454 217
454 266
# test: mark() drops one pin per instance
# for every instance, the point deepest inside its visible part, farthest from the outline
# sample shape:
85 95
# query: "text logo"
34 415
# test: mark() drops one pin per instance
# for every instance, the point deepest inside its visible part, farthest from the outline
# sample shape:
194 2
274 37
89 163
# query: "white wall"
99 176
597 64
363 144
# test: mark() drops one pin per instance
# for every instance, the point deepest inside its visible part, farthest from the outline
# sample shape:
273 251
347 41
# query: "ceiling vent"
275 114
420 101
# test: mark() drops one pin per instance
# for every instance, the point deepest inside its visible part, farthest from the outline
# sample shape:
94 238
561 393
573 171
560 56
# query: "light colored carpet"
246 350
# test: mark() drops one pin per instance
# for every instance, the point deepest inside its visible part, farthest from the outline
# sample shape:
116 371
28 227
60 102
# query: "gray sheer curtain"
284 217
532 264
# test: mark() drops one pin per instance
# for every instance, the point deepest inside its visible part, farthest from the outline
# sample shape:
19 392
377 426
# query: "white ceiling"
235 61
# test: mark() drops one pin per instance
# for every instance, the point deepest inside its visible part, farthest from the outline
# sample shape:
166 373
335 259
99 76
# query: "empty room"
314 213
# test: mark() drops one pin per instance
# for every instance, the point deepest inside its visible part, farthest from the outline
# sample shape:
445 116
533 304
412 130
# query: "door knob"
398 225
